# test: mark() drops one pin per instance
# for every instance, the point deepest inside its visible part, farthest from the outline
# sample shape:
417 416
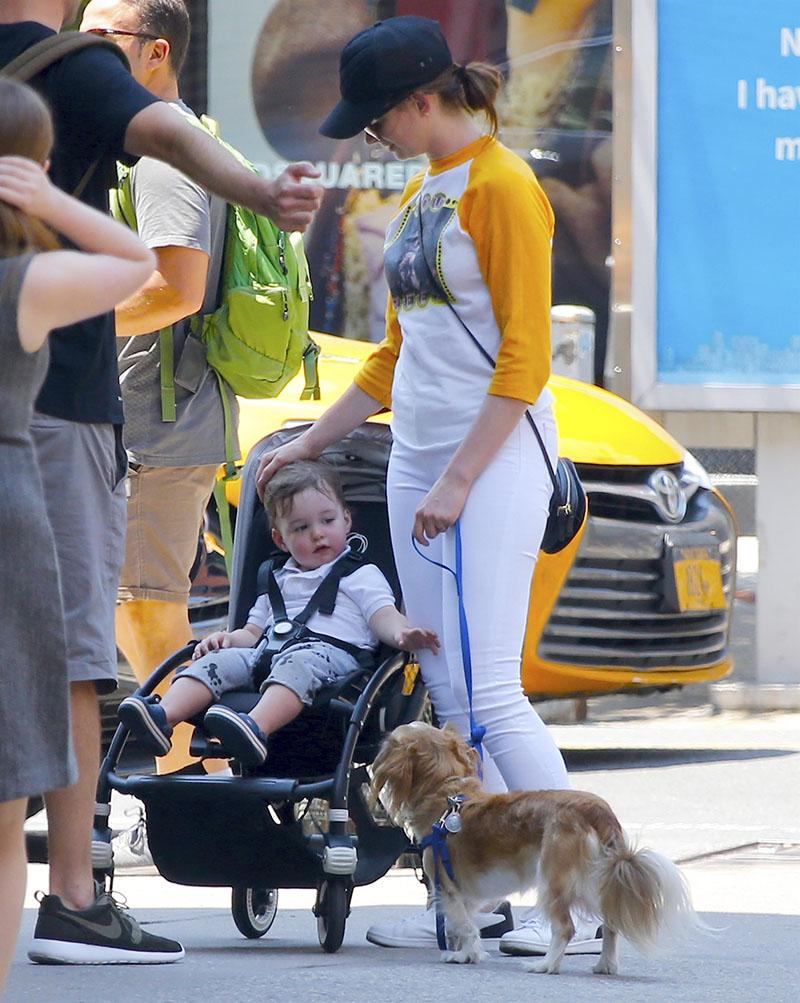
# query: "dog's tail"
644 897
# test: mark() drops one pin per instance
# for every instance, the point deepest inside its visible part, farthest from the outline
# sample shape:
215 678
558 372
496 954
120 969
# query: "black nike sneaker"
101 934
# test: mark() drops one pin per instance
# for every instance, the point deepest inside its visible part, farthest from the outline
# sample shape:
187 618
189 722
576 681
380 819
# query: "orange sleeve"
510 221
377 373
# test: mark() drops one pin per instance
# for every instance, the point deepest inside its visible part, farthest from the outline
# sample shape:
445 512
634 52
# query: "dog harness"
285 631
436 839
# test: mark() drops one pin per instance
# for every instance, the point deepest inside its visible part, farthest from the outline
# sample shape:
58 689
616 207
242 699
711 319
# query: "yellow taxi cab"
642 600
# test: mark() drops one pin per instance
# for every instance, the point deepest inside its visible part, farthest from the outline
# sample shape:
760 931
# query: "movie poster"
555 112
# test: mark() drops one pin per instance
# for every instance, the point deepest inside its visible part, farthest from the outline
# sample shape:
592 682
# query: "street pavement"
717 791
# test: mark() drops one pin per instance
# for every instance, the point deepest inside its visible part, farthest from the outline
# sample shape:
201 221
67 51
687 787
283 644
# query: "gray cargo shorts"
303 668
83 469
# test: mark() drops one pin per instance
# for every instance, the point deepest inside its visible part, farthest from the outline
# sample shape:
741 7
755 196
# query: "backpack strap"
311 391
45 53
38 57
166 348
230 469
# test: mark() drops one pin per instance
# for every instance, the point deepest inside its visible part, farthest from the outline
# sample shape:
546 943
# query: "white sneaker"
533 936
420 930
131 851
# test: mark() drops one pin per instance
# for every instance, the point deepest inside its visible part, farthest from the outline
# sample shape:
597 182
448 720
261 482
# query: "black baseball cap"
380 66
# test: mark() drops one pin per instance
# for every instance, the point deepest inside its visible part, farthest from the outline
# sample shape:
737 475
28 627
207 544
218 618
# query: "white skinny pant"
501 529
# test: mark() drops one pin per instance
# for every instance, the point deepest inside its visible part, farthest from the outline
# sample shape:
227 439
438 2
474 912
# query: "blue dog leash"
451 820
476 731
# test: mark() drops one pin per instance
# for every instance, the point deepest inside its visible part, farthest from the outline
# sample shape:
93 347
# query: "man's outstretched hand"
292 202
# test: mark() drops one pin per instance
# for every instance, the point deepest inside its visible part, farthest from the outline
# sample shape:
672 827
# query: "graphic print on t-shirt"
416 280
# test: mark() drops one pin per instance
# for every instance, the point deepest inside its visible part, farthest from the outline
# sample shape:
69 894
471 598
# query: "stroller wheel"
254 910
332 910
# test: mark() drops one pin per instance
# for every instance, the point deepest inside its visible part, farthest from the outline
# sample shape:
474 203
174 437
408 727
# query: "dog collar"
451 819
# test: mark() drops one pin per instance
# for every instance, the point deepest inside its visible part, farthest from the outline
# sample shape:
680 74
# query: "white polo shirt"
361 594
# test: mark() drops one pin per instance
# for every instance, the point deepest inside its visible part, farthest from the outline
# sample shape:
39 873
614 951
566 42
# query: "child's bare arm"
393 628
245 637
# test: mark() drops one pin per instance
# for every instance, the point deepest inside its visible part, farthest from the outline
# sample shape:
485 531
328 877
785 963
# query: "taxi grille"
610 610
608 614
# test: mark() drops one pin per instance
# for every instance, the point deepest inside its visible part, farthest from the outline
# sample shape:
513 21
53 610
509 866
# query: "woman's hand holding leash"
440 508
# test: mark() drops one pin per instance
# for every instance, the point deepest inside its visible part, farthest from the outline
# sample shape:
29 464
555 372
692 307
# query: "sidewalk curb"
755 696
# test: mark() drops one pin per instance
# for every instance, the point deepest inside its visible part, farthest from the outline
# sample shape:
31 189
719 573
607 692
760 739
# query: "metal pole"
618 357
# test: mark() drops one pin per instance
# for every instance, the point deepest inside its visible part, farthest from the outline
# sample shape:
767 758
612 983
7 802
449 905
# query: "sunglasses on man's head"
105 32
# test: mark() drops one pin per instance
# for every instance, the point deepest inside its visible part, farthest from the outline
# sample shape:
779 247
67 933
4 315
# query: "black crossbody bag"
568 504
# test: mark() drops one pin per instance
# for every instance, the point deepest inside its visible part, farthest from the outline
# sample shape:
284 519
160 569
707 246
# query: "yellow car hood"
594 426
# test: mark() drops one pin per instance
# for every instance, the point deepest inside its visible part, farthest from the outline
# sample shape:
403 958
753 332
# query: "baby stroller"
303 819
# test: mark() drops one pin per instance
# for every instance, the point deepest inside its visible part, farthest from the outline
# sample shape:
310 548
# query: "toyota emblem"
670 497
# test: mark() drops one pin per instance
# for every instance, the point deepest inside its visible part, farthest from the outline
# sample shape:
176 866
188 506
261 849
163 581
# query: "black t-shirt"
93 99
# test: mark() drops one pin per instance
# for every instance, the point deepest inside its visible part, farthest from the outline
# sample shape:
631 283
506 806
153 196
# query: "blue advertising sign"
728 193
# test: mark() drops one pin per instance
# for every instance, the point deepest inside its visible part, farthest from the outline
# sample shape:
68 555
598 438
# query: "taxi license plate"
697 578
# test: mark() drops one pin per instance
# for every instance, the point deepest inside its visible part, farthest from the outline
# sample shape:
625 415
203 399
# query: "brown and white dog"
568 844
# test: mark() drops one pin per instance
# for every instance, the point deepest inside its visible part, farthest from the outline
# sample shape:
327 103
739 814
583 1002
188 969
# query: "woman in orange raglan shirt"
470 246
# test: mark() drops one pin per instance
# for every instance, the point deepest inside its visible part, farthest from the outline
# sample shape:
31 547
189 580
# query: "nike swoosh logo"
112 930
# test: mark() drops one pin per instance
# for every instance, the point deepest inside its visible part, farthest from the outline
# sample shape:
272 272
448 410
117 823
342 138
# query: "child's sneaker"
146 719
239 734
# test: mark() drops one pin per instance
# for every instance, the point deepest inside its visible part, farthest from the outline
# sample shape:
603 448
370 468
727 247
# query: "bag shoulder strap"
484 353
53 49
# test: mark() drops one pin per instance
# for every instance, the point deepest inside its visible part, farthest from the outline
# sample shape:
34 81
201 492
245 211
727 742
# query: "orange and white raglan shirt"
486 236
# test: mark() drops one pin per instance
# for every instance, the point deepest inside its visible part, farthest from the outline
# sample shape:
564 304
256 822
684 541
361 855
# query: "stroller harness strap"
322 601
285 631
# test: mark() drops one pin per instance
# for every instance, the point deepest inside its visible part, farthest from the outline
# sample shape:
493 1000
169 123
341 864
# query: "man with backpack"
101 116
172 463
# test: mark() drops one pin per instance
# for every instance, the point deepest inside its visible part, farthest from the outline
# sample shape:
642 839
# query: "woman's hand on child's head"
417 639
25 185
219 639
272 461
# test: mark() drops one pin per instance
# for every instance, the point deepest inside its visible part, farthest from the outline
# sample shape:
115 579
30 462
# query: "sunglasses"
105 32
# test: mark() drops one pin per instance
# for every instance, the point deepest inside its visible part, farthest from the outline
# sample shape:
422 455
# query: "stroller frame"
243 831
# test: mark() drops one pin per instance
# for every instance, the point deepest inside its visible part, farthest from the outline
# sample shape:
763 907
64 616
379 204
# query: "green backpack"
257 339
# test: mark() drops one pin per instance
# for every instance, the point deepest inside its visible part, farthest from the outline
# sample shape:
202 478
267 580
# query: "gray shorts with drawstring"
304 668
